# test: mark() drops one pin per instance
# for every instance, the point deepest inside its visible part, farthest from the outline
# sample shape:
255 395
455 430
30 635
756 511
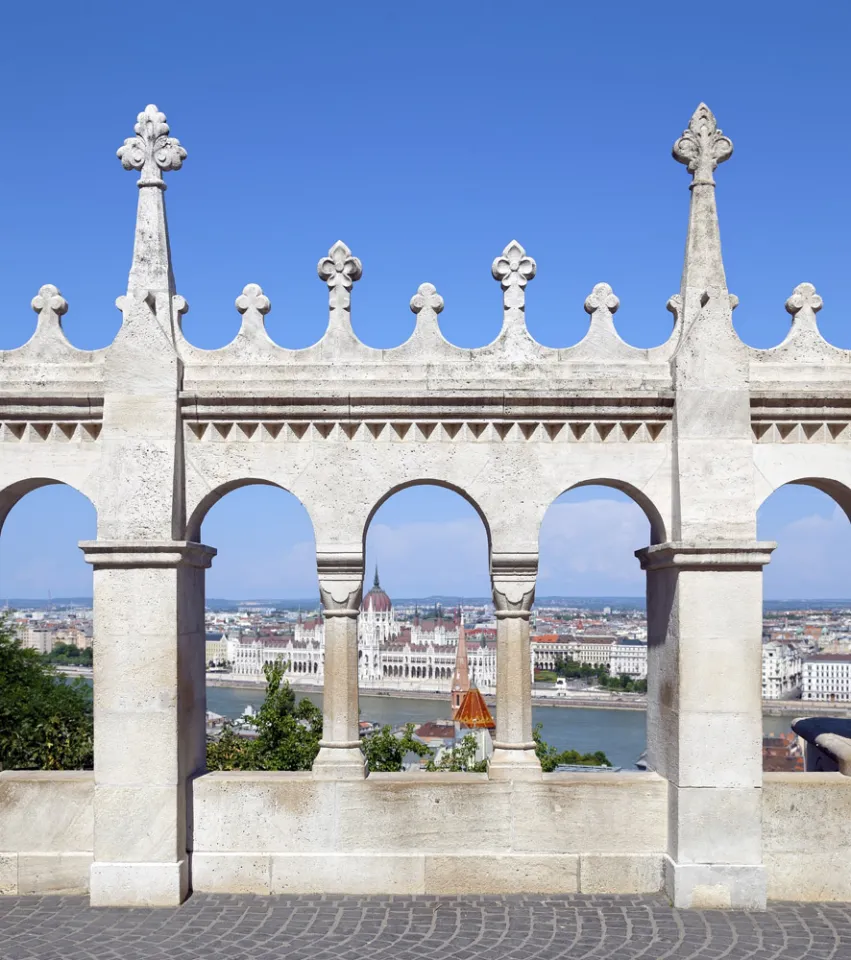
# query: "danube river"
620 734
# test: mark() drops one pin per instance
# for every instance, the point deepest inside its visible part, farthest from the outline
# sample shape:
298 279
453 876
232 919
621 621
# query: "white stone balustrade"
153 430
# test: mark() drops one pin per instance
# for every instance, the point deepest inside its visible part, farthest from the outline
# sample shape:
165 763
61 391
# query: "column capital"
714 555
340 581
513 577
112 554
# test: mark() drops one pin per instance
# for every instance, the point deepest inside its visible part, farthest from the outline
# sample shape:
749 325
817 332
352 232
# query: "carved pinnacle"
340 268
804 298
601 298
253 298
50 300
702 146
426 297
513 268
152 150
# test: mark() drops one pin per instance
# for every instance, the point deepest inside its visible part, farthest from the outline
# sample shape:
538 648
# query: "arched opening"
46 602
589 632
426 559
806 646
262 598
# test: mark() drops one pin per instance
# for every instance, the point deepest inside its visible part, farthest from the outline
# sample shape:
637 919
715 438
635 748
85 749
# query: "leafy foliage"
460 759
385 752
67 655
572 670
46 723
288 732
551 758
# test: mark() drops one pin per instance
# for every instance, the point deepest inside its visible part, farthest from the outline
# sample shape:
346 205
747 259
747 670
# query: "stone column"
340 587
513 578
704 716
149 700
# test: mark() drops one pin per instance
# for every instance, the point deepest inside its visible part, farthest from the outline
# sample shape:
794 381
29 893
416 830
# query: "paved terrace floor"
398 928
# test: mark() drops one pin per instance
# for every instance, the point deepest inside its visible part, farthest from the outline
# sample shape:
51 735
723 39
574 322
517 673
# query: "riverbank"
633 702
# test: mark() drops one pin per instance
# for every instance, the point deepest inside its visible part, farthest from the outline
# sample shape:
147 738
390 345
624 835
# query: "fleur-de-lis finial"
253 299
152 150
601 298
702 146
340 268
50 301
804 303
514 270
426 298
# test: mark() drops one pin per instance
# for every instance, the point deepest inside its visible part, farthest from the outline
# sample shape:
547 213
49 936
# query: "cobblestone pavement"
404 928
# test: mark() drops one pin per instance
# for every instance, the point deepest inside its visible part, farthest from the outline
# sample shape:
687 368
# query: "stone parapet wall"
270 833
46 831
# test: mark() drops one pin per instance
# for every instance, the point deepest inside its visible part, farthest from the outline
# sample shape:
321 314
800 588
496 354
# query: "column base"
139 884
715 886
514 764
340 763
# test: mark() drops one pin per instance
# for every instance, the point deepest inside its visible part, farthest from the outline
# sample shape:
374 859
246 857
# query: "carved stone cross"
601 298
804 304
702 146
49 302
426 298
152 150
253 299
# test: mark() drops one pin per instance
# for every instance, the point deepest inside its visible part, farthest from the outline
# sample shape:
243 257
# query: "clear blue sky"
426 137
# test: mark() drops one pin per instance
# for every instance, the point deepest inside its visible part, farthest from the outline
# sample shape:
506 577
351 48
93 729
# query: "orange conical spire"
461 677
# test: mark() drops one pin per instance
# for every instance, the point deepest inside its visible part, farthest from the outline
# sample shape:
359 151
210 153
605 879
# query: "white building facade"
827 677
781 671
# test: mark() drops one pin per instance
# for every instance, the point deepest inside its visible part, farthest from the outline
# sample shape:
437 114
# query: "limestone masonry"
698 431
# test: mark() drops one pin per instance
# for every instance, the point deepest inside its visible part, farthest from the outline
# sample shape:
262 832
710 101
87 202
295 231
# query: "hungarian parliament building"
393 654
417 655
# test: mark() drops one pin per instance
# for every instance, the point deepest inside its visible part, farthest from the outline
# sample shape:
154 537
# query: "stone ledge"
111 554
721 555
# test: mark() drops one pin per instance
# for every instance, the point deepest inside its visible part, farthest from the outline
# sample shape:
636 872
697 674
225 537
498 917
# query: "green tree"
45 722
385 752
67 655
460 759
288 732
551 758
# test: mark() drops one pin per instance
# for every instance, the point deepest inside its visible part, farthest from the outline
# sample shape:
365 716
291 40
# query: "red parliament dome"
377 600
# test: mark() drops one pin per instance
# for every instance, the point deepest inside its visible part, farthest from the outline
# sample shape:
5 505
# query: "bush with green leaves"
288 732
46 722
385 752
459 759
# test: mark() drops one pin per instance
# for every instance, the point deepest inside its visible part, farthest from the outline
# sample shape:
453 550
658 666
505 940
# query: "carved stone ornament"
601 298
426 298
513 268
702 146
253 299
49 300
152 150
506 608
334 606
804 301
340 268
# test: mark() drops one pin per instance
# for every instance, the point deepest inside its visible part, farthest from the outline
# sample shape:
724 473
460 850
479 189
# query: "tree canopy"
46 722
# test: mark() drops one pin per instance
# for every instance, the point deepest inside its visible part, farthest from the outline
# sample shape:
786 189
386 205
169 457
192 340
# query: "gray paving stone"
449 928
